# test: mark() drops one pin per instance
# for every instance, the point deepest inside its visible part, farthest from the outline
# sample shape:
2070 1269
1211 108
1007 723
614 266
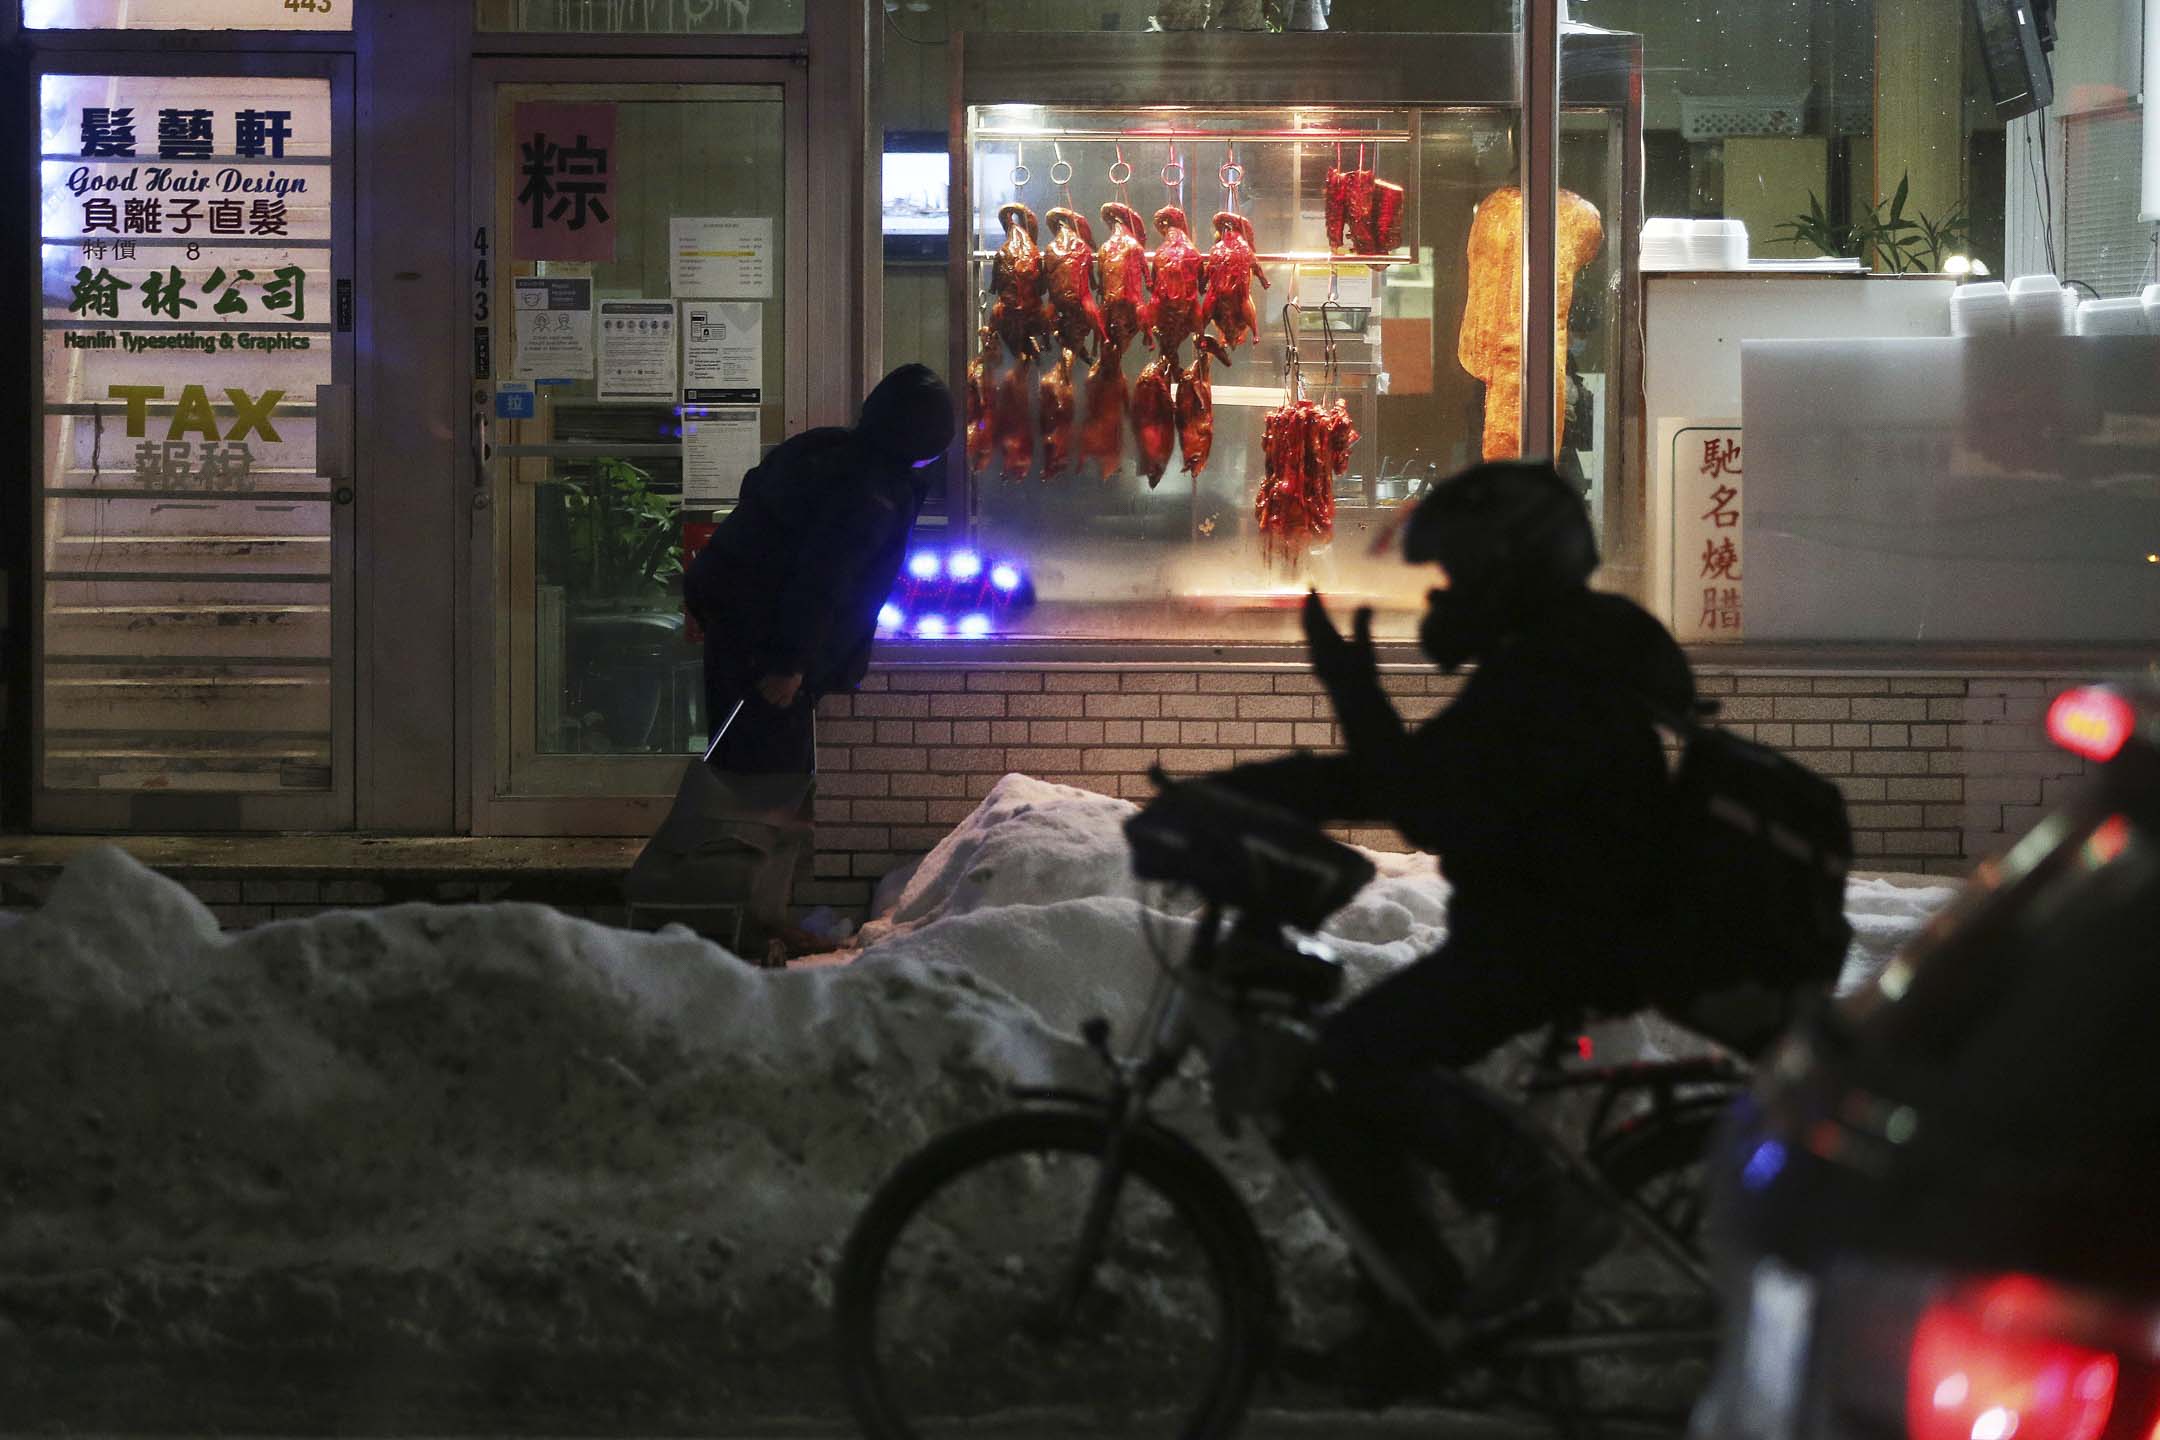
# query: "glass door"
194 458
635 268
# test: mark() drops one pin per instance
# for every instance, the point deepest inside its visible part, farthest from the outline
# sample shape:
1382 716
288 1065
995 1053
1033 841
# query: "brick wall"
1939 771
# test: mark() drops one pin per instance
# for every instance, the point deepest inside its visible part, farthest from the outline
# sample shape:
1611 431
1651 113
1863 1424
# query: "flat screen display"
2017 66
917 213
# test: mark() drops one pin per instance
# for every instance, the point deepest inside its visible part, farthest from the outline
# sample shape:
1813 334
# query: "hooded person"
789 587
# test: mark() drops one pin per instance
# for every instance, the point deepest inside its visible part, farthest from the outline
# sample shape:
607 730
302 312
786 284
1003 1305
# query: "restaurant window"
1371 179
188 14
642 17
1855 432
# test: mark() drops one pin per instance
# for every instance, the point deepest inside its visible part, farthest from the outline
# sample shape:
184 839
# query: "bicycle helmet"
1511 538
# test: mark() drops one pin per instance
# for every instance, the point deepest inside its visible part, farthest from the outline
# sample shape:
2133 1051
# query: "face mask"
1447 634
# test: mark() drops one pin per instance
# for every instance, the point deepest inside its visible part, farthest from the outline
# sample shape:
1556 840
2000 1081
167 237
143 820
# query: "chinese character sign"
565 159
1705 463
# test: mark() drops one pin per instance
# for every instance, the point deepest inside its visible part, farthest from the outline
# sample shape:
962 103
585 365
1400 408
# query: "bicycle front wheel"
966 1299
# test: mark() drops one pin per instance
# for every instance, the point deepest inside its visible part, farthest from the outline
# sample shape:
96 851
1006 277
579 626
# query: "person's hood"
908 416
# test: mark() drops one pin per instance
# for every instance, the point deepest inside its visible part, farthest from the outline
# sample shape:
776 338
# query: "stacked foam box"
2042 305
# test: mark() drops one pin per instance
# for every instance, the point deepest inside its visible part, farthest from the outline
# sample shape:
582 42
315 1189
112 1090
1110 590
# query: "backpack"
1761 847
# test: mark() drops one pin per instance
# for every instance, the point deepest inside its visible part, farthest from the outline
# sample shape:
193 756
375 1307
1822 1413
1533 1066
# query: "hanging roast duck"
979 398
1054 415
1196 404
1176 273
1231 269
1154 416
1068 276
1121 277
1019 314
1102 434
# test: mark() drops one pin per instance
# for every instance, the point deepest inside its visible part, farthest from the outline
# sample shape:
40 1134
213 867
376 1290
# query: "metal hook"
1060 164
1118 165
1293 363
1020 172
1231 174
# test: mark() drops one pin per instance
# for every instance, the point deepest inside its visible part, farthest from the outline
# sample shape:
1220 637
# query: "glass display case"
1180 451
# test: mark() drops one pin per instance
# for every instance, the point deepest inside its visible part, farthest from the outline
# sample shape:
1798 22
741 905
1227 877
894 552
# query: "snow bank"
437 1133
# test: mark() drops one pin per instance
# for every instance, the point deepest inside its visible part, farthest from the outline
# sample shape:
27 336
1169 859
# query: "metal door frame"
137 811
491 632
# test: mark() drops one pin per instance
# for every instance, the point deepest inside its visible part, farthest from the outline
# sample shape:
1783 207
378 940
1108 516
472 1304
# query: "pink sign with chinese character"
1705 464
565 182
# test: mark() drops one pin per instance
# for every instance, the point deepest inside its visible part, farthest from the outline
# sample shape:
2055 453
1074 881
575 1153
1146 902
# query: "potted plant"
1900 244
622 574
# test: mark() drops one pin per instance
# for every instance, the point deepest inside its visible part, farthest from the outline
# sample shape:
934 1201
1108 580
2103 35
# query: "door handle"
334 432
483 434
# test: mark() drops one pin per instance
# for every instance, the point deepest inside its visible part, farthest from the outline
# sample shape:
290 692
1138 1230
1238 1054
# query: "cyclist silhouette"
1543 790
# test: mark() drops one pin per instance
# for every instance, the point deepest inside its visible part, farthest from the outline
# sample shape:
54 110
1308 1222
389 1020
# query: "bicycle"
1078 1258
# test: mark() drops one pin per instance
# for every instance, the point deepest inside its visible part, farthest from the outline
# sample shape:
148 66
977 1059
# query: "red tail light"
1983 1369
2091 722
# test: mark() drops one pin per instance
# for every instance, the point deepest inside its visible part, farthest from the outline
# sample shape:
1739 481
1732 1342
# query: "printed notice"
723 353
720 444
637 349
554 330
722 256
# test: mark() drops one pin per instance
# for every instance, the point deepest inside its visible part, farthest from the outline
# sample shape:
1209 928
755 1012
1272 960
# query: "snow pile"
429 1134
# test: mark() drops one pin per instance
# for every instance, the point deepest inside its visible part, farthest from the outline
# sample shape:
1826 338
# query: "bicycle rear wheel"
948 1297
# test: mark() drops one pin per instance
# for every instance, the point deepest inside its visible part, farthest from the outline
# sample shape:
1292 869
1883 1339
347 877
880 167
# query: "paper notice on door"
637 349
720 443
723 353
724 256
554 330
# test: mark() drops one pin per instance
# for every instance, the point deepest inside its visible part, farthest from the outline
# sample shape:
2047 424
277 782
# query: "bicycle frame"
1189 1009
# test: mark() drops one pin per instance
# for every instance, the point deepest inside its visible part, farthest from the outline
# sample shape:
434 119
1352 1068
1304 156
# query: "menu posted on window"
724 257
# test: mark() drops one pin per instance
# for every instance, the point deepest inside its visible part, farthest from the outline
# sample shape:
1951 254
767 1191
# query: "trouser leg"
1392 1094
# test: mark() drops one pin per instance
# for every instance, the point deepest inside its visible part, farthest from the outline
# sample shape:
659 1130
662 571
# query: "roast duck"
1054 412
1071 301
1068 275
1154 416
979 400
1121 277
1231 270
1363 212
1011 427
1102 434
1490 344
1018 313
1196 404
1305 447
1176 273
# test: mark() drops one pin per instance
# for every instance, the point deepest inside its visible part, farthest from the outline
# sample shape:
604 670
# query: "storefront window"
1850 438
189 14
643 17
188 596
1378 341
636 304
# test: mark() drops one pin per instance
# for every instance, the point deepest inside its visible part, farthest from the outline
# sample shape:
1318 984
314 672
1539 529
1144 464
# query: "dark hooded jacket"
792 580
1542 788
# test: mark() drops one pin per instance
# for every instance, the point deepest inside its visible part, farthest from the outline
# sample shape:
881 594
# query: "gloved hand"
1342 666
1349 670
